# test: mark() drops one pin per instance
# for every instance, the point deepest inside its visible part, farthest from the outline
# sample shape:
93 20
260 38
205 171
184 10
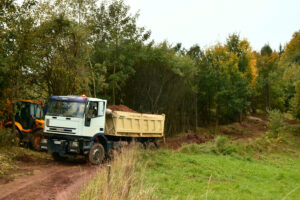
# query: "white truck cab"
73 124
77 116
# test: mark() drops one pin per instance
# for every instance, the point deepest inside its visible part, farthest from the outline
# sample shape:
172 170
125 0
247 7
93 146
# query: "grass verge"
124 181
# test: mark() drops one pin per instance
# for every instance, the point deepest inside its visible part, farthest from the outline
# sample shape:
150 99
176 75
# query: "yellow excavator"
29 121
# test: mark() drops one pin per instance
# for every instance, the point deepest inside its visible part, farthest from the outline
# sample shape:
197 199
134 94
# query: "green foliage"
224 88
161 85
269 90
61 65
290 62
7 138
295 101
275 123
117 45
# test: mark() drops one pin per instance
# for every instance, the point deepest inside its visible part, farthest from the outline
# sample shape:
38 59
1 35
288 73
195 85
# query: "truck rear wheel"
151 146
96 154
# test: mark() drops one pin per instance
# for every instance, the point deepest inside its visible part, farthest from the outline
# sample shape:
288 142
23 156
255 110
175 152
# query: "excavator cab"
28 113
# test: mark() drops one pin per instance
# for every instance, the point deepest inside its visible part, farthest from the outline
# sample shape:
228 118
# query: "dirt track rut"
61 181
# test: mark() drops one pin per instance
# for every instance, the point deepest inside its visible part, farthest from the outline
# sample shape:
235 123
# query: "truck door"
96 115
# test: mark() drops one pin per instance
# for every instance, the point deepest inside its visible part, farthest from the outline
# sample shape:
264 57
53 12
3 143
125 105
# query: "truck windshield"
66 109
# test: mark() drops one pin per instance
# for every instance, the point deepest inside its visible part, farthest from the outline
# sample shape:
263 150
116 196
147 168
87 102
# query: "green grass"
177 175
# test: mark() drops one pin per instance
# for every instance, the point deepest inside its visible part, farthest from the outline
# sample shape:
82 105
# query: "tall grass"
124 180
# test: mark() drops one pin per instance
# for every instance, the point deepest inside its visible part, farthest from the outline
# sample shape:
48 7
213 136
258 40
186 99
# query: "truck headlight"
43 141
47 122
74 144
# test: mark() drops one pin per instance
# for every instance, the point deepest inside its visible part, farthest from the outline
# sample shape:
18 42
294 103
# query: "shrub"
7 138
195 148
220 145
295 101
225 146
275 123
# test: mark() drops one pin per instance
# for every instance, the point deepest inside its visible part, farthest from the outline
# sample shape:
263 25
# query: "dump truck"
79 125
29 122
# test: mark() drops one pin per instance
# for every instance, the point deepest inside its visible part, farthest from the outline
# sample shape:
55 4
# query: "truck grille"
56 129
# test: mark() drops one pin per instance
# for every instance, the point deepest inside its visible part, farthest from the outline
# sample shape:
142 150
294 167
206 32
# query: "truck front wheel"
96 154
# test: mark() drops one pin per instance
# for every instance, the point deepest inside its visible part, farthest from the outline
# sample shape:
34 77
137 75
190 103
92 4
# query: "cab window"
93 109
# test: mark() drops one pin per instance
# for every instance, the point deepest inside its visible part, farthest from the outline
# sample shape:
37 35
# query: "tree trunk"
196 113
13 100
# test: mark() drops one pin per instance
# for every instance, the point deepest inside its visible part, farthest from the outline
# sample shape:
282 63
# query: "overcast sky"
207 21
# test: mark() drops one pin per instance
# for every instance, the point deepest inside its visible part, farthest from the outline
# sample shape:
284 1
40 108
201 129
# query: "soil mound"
120 108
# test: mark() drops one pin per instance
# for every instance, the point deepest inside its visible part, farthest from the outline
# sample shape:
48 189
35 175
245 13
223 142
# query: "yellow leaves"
292 50
221 58
253 68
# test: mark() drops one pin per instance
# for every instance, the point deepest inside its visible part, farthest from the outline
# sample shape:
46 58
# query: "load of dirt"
120 108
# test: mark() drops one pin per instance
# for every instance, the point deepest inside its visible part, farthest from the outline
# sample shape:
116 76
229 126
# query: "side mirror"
87 121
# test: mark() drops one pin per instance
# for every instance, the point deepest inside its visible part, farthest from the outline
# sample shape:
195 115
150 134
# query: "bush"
275 124
295 101
195 148
225 146
7 138
220 145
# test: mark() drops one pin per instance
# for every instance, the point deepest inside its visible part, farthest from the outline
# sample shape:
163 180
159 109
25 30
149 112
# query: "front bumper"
65 146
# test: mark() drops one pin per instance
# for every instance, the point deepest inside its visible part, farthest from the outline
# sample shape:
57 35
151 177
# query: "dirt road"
51 180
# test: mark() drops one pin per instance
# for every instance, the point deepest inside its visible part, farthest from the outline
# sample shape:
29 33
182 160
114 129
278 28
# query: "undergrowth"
10 155
7 138
222 145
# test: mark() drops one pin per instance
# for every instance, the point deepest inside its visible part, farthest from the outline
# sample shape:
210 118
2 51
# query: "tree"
118 41
224 85
16 24
269 82
290 65
161 85
295 101
62 65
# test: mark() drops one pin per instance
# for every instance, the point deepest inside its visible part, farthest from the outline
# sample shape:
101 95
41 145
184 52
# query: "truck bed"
128 124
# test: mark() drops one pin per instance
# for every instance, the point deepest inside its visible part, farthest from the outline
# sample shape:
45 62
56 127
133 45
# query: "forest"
97 48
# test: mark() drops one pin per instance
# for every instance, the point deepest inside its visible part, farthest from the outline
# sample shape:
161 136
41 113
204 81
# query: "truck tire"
35 140
96 154
151 146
